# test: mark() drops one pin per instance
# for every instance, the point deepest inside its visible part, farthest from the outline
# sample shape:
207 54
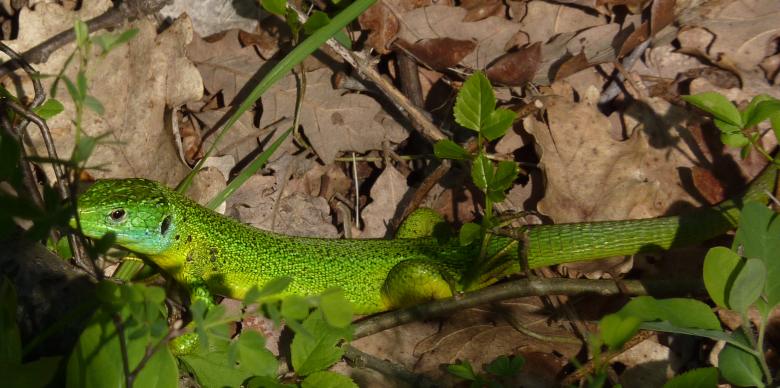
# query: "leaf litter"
645 155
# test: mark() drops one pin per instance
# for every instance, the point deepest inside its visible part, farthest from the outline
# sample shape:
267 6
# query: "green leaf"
475 102
696 378
82 33
73 91
295 307
81 83
758 236
748 285
212 370
10 154
469 233
720 265
717 335
325 379
462 370
83 149
10 339
335 308
49 109
505 175
272 288
253 355
267 382
274 6
96 360
318 350
482 172
448 149
718 106
740 367
498 123
748 114
504 366
110 41
94 104
615 330
764 110
316 20
682 312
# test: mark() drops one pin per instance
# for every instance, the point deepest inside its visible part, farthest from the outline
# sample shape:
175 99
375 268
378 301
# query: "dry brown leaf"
332 121
491 34
438 53
480 335
226 65
661 15
546 19
387 192
517 67
297 214
480 9
744 31
265 44
571 66
135 82
382 25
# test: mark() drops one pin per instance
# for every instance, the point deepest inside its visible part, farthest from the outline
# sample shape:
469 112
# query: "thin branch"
120 332
360 359
521 288
114 17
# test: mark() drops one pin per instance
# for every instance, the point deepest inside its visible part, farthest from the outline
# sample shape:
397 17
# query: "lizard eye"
117 215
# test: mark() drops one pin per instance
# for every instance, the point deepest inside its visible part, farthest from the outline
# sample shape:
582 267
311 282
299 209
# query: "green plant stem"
760 350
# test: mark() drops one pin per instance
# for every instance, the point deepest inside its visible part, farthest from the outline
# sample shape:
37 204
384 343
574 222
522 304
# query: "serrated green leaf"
719 266
469 233
49 109
504 366
748 114
748 285
475 102
254 357
462 370
448 149
95 358
482 172
272 288
295 307
83 149
758 236
38 373
274 6
326 379
498 123
682 312
505 175
335 308
740 367
319 350
717 105
696 378
615 330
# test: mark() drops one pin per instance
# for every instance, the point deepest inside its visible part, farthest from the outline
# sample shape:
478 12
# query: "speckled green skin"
199 247
202 249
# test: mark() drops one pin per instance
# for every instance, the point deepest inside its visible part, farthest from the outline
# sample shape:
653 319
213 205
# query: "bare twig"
130 9
361 359
521 288
613 88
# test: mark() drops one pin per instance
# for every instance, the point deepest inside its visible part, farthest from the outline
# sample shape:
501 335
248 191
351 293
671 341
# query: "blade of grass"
295 56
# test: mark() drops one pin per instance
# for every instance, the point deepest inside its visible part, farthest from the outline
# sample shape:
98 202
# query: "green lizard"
205 251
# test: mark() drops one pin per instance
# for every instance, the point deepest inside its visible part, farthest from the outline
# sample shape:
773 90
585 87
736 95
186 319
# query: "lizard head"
137 211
